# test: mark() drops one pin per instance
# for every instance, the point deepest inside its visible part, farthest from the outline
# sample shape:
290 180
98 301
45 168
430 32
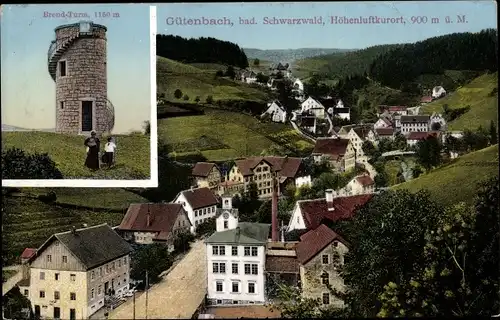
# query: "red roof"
314 211
200 198
426 99
162 217
396 108
421 135
385 131
314 241
28 253
331 146
365 180
202 169
286 166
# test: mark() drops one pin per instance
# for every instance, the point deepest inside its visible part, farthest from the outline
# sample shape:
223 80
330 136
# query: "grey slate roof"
93 246
245 233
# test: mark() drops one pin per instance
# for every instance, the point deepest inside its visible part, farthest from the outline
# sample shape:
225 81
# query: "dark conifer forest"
200 50
457 51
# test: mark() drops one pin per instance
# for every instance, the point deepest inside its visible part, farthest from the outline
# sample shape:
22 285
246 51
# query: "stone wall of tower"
86 79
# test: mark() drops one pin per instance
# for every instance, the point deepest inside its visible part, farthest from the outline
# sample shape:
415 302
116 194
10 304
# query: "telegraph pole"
134 302
147 285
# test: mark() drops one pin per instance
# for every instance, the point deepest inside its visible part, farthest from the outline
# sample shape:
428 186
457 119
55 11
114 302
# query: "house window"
99 289
100 271
93 275
56 295
65 259
72 277
251 287
61 104
247 251
218 286
62 68
222 250
325 278
247 268
195 213
234 268
42 275
92 294
49 258
72 296
235 287
215 250
298 219
119 263
56 276
226 225
326 298
254 251
124 260
42 294
26 292
222 267
325 259
335 244
234 251
255 269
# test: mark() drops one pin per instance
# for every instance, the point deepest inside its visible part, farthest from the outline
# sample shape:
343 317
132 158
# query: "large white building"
200 205
314 107
415 124
236 259
73 272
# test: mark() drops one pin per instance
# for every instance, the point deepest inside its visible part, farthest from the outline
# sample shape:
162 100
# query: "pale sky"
479 15
28 91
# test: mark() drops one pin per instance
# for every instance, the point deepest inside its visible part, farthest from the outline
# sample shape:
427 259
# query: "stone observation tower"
77 63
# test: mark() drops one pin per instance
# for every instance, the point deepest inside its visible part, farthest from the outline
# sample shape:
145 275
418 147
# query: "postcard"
78 95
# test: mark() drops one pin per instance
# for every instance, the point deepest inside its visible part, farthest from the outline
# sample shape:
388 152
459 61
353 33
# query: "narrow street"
178 295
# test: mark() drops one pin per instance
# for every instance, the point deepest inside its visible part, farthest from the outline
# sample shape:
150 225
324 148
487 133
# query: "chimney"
329 195
274 210
148 217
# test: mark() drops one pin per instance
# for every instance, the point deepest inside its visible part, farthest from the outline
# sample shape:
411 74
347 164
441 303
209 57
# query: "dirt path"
178 295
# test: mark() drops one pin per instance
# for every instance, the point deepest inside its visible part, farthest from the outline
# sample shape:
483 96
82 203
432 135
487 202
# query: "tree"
219 74
249 202
185 97
429 152
458 274
182 242
399 142
387 237
493 133
209 99
206 228
178 93
368 148
286 95
197 99
154 258
256 62
475 140
13 304
230 72
292 305
436 126
17 164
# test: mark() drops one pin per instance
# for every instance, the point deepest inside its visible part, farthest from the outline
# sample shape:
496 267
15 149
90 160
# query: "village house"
414 124
249 76
261 169
340 153
384 133
282 266
231 187
426 99
73 272
24 283
437 122
298 85
310 214
276 111
393 110
438 92
336 108
147 223
414 137
362 184
313 107
357 136
320 253
199 203
383 123
236 259
309 123
207 175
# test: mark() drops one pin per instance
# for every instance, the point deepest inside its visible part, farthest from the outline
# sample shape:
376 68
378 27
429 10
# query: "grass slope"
482 96
199 80
30 221
221 135
457 181
68 152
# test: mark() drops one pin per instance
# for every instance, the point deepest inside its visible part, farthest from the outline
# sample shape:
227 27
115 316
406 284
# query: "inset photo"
77 95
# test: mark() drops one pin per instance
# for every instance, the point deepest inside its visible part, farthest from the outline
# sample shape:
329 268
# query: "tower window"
62 68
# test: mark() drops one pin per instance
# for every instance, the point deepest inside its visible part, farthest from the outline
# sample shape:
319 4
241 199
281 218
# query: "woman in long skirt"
94 145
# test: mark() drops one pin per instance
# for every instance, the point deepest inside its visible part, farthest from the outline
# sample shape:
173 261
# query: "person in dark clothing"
93 146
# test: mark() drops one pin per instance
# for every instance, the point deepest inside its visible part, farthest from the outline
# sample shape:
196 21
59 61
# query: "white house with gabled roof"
276 111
